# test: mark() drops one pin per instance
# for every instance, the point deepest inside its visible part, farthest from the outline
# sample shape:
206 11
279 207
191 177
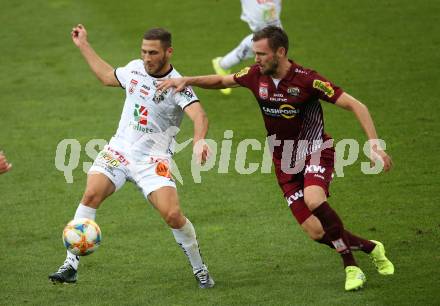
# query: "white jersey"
149 121
261 13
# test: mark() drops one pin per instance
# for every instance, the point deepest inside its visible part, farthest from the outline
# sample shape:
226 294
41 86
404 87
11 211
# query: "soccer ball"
82 236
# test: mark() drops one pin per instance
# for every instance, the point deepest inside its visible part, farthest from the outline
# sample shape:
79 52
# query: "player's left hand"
377 153
202 151
4 165
178 83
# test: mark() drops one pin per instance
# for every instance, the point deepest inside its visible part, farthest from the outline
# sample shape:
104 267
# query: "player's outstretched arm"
205 81
362 114
4 165
198 116
102 70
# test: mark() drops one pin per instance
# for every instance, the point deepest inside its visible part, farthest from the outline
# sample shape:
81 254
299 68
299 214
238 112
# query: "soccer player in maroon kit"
303 155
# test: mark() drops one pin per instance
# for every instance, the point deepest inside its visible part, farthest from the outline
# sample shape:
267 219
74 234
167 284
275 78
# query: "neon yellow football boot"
354 278
383 265
220 71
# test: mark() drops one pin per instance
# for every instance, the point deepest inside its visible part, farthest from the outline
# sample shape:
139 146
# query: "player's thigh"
166 201
317 177
107 174
98 188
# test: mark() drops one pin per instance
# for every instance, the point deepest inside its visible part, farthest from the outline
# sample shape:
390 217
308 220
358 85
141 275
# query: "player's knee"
315 234
314 196
92 198
313 202
174 218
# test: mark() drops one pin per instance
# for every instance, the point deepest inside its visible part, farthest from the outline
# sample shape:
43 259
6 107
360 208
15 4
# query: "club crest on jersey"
263 91
132 86
325 87
293 91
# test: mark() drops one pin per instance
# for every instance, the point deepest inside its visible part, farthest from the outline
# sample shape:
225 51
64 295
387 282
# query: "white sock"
240 53
81 212
186 238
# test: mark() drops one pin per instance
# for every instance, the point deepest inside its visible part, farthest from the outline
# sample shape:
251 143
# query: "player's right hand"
4 165
79 35
178 83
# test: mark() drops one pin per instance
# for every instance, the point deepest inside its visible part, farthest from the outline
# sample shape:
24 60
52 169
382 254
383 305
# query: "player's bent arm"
103 71
361 112
198 116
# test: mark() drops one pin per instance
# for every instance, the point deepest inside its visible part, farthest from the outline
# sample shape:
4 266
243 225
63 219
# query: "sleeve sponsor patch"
325 87
242 72
187 94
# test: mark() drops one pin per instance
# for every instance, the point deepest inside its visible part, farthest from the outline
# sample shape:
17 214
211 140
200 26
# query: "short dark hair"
159 34
275 36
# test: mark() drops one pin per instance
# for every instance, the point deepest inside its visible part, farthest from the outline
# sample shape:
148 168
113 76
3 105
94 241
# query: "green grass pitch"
385 53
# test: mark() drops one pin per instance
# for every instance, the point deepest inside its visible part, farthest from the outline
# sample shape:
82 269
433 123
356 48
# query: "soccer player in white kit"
141 149
258 14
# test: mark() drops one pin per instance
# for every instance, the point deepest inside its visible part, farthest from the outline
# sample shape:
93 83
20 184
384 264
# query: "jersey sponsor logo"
314 169
140 128
297 70
143 94
162 169
295 197
187 94
119 156
140 114
138 73
325 87
109 161
263 90
293 91
242 72
132 86
285 110
278 97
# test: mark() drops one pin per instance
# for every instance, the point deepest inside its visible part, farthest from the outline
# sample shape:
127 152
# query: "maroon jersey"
291 110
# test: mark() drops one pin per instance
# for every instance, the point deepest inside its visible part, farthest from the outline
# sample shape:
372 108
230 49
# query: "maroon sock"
334 229
359 243
326 240
356 243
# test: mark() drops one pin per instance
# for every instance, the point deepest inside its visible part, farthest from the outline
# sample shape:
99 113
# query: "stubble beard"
162 62
272 67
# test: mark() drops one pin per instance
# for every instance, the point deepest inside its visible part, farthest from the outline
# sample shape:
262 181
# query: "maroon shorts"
316 173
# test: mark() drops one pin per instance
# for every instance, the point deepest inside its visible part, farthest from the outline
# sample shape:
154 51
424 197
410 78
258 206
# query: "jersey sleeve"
185 97
246 76
122 74
323 89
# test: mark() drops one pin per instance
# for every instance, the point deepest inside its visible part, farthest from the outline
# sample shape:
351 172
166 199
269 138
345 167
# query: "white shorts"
148 175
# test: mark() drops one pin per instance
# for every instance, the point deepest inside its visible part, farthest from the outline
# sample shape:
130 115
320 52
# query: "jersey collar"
291 73
159 76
